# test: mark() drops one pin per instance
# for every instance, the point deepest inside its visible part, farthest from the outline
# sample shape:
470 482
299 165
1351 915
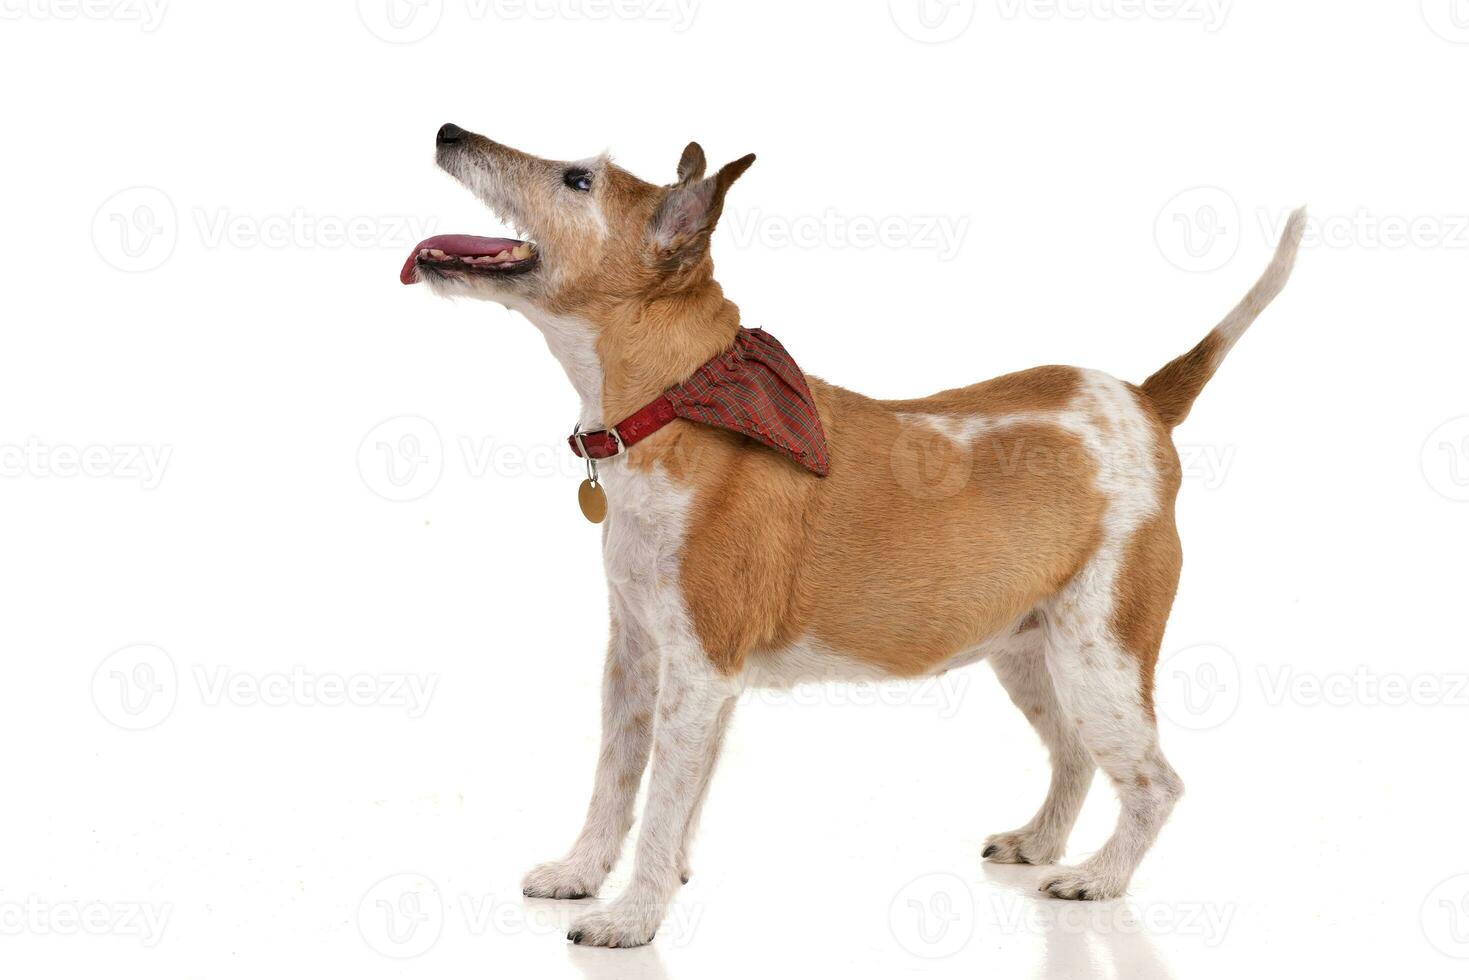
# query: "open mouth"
465 256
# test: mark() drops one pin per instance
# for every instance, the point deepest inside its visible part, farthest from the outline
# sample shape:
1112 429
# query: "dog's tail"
1174 388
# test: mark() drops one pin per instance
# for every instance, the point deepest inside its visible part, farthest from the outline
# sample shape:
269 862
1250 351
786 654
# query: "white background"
213 411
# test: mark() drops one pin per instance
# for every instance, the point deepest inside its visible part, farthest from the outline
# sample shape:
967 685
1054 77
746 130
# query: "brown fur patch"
1148 578
885 562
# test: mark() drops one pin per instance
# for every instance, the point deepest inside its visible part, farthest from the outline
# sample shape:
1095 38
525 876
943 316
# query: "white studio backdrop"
303 631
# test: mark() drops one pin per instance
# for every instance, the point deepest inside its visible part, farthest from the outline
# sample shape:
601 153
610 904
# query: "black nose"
450 133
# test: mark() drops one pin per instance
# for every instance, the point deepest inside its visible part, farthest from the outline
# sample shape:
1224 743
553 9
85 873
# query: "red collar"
754 388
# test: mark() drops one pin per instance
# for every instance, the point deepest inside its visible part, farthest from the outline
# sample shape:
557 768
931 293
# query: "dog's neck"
621 356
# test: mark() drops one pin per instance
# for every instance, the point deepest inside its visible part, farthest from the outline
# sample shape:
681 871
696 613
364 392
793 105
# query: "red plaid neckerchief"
754 388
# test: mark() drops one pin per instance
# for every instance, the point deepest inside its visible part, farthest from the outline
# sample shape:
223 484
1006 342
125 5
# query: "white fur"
573 342
647 515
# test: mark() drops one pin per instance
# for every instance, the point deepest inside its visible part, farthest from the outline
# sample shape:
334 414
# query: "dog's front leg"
693 702
629 688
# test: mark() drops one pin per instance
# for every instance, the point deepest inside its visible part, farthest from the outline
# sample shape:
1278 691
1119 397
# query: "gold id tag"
593 499
590 496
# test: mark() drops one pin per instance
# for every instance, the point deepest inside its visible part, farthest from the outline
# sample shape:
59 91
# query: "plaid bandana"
755 388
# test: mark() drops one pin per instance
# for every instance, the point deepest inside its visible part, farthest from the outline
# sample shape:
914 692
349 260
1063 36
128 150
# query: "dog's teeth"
521 251
438 253
423 253
502 256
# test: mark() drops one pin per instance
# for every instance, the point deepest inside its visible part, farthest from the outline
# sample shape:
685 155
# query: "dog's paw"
1021 847
1081 884
561 879
620 925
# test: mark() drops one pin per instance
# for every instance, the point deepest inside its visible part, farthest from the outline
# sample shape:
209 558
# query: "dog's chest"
647 518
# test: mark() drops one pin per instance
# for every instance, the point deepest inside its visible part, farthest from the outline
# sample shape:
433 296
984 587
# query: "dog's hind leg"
629 690
1021 668
1102 668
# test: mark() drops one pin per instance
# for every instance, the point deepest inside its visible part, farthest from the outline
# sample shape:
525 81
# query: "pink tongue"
464 246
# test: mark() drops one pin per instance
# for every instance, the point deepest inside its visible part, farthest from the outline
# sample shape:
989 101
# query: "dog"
1052 554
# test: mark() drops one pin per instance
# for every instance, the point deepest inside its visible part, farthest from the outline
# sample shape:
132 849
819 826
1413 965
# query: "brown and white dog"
1052 554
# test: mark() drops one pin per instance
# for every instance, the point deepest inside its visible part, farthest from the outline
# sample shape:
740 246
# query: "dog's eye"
578 179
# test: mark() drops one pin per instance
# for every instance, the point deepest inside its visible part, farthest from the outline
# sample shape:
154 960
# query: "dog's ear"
691 208
691 164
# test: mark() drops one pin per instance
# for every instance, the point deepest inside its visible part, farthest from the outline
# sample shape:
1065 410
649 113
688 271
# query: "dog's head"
590 233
